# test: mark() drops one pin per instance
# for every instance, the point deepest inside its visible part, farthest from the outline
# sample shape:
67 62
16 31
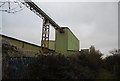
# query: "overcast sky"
93 23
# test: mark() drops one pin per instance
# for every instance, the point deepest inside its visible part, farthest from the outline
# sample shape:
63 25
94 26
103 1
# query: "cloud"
93 23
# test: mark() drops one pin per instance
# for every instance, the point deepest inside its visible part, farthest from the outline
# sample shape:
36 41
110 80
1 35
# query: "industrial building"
63 43
66 42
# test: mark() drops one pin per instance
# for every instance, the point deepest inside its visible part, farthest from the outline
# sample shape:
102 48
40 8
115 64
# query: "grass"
105 75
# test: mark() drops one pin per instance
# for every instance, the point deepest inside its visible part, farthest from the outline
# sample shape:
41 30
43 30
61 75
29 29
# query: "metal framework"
46 22
45 34
11 8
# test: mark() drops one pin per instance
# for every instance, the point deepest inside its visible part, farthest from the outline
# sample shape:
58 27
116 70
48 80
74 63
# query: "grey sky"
94 23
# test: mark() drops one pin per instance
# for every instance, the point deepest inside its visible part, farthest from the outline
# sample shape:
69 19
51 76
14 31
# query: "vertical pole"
45 34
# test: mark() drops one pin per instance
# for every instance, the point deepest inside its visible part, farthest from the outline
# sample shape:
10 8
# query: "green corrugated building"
65 42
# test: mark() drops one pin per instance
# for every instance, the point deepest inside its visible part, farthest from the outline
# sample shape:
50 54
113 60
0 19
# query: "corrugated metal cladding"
66 41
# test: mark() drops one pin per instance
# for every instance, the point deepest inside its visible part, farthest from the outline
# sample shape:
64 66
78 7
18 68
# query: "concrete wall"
66 41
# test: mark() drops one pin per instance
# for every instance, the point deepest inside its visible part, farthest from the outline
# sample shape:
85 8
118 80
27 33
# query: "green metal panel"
15 42
61 42
51 44
30 47
66 41
73 42
21 44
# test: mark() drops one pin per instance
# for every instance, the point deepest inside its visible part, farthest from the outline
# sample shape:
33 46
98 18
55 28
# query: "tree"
115 51
92 49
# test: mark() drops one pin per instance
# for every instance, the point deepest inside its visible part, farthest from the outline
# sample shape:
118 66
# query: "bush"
112 63
51 67
61 67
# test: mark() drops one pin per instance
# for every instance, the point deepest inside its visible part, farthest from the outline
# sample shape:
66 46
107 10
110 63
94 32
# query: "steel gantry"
45 34
47 21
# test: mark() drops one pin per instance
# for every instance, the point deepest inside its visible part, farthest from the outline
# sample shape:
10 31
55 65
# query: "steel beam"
46 22
36 9
45 34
